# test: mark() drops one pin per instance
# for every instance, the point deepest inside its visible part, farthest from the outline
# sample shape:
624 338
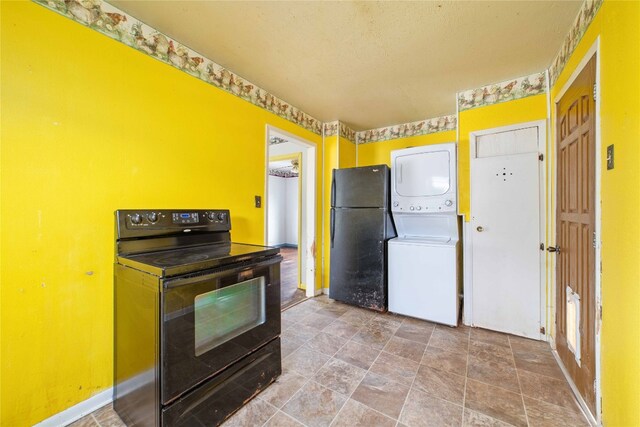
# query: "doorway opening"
290 212
283 213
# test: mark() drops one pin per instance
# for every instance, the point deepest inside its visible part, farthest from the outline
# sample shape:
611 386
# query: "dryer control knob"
211 216
418 207
136 219
395 204
448 203
411 208
152 217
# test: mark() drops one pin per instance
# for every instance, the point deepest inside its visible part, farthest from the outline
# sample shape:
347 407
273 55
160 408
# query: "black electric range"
197 317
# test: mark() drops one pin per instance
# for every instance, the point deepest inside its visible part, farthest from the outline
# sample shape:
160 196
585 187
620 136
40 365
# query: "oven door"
212 320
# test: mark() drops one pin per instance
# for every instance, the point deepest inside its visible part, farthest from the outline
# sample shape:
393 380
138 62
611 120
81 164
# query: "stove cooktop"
196 258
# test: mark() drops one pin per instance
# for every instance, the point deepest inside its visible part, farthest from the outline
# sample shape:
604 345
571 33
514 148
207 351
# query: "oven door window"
226 313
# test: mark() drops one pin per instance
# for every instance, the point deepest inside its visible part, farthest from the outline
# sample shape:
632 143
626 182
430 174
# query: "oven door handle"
173 283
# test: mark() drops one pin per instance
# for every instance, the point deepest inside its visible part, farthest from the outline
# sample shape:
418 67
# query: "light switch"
610 157
258 202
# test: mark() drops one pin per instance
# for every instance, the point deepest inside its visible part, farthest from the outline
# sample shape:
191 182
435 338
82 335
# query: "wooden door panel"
572 248
575 225
573 183
586 108
573 115
586 148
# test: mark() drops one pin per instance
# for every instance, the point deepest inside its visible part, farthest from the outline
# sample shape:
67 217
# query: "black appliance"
197 318
360 226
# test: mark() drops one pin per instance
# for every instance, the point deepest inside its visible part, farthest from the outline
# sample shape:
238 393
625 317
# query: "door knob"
554 249
480 229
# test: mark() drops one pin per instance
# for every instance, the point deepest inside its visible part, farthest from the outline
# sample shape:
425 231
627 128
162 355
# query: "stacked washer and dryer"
424 260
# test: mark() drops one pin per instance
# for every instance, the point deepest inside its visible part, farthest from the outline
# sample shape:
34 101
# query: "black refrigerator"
360 225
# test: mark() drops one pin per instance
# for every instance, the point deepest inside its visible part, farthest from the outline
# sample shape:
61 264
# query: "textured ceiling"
368 64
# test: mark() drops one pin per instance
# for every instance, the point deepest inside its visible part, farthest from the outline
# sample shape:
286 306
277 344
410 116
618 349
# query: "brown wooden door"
575 216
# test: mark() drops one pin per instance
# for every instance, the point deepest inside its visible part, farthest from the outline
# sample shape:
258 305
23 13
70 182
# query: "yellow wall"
347 153
331 162
378 153
618 25
503 114
89 126
339 153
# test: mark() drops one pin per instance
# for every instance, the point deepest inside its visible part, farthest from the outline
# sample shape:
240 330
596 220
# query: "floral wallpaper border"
113 22
347 132
331 129
274 140
282 174
509 90
421 127
585 16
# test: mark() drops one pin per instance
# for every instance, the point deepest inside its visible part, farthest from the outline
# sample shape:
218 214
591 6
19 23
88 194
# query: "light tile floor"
345 366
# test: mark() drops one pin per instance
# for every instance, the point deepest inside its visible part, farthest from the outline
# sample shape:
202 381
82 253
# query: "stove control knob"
152 217
448 203
136 219
395 204
418 207
221 216
211 216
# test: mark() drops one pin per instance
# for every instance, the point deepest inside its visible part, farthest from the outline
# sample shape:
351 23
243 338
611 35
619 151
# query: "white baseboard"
324 291
78 411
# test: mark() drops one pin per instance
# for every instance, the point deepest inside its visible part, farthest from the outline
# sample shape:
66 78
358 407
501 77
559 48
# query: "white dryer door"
424 174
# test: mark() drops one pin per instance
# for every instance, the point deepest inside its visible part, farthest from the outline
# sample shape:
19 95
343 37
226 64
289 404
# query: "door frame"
468 234
293 156
593 50
307 238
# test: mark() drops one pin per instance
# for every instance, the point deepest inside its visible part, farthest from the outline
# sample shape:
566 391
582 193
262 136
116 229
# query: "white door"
505 221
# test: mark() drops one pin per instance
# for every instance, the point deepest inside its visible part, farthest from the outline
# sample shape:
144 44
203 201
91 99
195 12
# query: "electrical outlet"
610 157
258 202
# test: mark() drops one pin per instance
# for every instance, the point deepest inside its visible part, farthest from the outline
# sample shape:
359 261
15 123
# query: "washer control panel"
423 205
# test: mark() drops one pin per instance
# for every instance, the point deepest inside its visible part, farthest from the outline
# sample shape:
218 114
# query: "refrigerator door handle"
333 190
332 225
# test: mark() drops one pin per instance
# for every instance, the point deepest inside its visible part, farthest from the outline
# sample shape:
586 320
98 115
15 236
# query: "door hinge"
595 87
542 246
541 157
543 330
594 239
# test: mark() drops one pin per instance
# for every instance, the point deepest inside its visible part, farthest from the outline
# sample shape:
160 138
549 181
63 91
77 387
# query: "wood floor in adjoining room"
346 366
289 292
